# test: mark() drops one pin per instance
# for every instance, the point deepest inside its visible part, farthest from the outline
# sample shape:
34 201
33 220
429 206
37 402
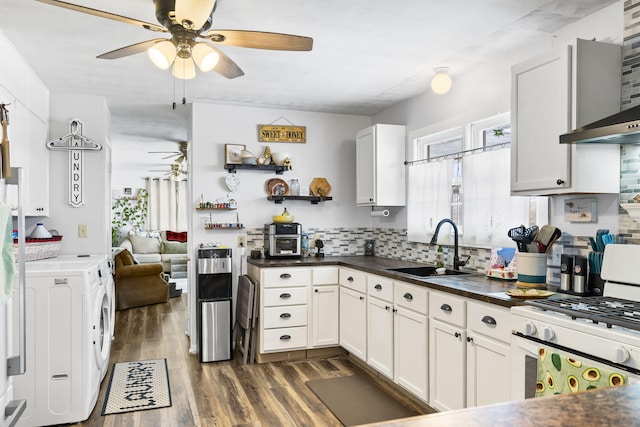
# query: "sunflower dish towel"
558 374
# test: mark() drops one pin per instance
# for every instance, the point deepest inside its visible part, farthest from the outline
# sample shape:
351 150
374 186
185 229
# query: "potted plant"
128 212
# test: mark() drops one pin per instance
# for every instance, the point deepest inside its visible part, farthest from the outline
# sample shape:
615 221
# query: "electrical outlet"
82 230
242 242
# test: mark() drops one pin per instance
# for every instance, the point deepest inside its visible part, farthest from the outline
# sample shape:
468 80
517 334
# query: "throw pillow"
176 236
174 247
145 245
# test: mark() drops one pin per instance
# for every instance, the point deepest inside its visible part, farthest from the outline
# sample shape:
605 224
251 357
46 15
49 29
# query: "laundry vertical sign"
76 144
76 165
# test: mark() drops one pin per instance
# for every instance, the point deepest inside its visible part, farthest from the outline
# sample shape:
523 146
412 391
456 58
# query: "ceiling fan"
180 155
188 22
175 172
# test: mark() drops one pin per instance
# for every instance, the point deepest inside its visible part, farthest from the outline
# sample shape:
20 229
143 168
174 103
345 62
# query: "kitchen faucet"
456 259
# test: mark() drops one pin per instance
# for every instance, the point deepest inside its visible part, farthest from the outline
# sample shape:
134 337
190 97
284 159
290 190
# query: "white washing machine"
106 281
68 340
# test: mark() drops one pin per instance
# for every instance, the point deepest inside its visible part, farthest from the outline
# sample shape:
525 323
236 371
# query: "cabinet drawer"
380 287
324 275
447 308
279 277
412 297
285 339
285 317
284 296
489 320
353 279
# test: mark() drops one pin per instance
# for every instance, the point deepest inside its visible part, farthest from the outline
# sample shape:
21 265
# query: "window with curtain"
464 174
167 204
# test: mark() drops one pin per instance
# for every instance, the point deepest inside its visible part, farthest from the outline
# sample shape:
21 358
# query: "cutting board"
320 187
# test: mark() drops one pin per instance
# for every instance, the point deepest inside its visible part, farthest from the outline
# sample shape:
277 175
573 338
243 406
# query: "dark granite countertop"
615 406
474 285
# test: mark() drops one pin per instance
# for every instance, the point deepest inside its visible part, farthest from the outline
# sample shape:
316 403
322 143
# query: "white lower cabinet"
488 354
410 339
353 312
447 355
324 315
380 336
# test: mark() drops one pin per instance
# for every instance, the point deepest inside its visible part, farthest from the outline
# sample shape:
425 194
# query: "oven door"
524 365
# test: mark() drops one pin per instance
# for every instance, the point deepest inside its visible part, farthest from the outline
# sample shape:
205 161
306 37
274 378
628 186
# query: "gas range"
608 310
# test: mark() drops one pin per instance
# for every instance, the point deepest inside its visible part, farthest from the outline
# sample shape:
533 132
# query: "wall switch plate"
242 243
82 230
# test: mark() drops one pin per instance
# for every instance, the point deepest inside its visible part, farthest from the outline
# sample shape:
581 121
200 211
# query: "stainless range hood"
620 128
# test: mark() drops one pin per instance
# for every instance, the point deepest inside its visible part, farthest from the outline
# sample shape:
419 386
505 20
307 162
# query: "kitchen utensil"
555 236
517 235
592 242
546 234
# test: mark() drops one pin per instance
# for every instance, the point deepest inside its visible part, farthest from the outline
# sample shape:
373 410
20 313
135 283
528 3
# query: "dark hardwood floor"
219 393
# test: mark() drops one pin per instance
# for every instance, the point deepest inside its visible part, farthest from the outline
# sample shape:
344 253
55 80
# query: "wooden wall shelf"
313 199
274 168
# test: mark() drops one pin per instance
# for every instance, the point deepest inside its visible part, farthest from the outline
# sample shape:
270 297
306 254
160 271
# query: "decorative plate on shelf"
277 187
529 293
320 187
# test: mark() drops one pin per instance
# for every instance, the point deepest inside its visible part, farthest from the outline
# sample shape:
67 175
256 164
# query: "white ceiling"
367 54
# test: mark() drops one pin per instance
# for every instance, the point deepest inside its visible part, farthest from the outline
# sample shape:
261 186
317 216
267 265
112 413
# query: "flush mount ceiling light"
441 82
192 39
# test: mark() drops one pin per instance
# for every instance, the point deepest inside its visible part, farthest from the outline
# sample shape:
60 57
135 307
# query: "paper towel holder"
382 212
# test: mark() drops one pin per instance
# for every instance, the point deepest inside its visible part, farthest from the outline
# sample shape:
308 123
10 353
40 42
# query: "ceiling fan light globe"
162 54
184 68
193 14
441 82
205 57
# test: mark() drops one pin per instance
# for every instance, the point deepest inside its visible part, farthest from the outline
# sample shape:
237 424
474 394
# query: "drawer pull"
457 335
408 296
349 279
285 276
285 315
361 297
315 290
285 295
378 287
489 320
285 337
469 339
386 307
446 307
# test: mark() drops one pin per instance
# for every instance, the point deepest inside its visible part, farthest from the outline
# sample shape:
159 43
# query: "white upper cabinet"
568 87
380 171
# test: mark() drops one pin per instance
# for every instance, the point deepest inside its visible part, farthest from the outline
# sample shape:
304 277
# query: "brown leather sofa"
138 284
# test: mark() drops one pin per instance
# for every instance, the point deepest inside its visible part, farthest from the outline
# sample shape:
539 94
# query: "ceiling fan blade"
260 40
129 50
226 67
107 15
193 14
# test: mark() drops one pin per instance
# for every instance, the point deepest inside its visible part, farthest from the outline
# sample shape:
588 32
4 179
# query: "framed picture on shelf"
232 153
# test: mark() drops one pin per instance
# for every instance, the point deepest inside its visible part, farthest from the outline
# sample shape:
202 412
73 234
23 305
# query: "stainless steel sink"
425 271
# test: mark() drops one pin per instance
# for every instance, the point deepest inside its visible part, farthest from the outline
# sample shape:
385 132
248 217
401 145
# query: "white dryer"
68 340
106 281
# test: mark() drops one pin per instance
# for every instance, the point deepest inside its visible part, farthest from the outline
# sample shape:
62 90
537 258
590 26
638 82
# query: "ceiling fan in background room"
189 22
180 155
175 172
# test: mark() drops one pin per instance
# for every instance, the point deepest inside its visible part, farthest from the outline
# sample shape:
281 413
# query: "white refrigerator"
12 301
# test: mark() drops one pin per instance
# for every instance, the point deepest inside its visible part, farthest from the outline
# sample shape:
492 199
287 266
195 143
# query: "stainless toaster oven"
282 240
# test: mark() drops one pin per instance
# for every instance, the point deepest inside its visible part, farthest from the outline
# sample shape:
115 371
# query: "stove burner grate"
608 310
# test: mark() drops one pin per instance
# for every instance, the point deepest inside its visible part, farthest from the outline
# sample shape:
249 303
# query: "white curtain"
489 209
429 198
167 204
